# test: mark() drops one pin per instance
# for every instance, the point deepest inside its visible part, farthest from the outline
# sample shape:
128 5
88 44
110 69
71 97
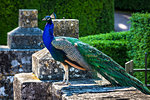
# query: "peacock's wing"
70 50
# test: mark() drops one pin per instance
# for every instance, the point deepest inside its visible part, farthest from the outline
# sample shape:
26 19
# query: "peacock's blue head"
46 18
49 18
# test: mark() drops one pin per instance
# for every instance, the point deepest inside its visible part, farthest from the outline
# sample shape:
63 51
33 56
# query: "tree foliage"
133 5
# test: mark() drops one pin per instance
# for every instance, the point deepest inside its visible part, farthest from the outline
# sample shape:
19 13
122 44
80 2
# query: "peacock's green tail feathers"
107 67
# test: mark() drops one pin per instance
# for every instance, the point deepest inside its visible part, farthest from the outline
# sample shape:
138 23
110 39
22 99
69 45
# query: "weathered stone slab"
46 68
27 86
66 27
88 90
28 18
25 38
15 60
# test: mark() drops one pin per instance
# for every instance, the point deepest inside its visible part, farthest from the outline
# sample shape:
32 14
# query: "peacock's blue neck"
48 36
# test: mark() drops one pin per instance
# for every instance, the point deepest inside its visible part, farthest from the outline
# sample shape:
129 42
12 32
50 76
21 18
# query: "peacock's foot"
62 83
66 83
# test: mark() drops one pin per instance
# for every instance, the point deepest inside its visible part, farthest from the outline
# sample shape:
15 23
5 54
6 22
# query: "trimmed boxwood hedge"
112 44
107 36
133 5
139 40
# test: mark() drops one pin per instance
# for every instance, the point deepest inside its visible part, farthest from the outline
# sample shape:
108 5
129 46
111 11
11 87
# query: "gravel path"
121 21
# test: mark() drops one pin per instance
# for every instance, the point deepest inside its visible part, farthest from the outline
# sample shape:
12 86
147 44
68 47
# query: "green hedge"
133 5
107 36
112 44
139 40
8 17
94 16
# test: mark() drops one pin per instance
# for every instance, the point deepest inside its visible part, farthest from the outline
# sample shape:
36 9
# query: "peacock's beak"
43 19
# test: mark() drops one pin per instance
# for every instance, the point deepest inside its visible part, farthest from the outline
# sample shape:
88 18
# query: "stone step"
46 68
88 90
28 87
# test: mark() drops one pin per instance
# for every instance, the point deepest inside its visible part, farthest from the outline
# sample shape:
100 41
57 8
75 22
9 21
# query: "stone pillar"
28 18
23 41
66 27
27 35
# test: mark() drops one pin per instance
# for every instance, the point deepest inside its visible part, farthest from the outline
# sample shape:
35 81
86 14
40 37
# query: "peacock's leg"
66 75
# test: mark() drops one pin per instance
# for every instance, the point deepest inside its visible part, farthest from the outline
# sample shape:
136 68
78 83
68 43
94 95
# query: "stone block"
25 38
89 90
15 60
27 86
66 27
28 18
46 68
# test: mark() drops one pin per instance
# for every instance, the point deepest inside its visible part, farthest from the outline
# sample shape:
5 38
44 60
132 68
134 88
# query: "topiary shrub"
112 44
139 39
133 5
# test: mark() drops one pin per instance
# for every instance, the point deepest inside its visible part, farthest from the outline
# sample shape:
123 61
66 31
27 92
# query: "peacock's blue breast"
48 37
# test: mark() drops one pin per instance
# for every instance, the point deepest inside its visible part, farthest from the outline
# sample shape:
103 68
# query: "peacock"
73 52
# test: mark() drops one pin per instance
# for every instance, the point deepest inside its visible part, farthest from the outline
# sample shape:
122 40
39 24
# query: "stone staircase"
27 86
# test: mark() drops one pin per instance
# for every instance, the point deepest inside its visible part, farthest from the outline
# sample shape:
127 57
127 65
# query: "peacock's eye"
48 18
